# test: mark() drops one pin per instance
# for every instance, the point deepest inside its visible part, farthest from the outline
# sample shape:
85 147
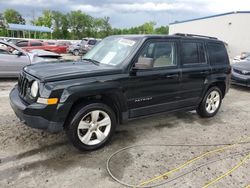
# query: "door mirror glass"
16 52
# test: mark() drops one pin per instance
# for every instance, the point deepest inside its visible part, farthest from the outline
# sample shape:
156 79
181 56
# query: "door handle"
204 72
172 76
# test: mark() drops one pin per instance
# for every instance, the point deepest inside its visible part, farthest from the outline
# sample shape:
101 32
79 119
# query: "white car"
13 58
244 57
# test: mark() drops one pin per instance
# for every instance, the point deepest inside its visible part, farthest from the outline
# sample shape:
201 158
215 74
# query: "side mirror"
16 52
144 63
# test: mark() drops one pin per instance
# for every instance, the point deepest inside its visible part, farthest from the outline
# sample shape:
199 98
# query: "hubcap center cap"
93 126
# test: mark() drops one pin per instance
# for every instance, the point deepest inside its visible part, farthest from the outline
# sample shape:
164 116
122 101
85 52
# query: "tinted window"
22 44
161 53
36 43
192 53
52 43
92 42
217 53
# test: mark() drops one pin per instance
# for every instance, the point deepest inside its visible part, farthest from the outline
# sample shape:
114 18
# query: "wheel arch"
221 85
115 100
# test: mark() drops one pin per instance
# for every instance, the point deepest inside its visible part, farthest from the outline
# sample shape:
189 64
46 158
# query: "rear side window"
217 53
92 42
192 53
36 43
22 44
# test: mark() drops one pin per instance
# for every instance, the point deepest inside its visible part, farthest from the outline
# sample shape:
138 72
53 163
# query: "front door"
154 88
10 63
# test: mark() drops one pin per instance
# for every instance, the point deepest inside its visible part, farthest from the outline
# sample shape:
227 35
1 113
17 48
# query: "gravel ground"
34 158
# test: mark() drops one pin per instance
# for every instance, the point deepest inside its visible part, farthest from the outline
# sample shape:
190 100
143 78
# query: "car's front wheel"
91 126
210 103
76 52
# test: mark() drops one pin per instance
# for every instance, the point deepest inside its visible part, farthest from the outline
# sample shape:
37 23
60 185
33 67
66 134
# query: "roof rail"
193 35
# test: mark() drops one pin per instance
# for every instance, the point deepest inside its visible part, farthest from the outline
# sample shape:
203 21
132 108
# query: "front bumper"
29 114
240 80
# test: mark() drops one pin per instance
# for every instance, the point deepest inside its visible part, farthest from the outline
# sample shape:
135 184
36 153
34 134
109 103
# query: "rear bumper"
30 114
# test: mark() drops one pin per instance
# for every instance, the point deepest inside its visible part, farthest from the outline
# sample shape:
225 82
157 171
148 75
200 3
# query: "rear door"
195 69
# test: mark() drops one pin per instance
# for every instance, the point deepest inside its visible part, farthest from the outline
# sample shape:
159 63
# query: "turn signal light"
49 101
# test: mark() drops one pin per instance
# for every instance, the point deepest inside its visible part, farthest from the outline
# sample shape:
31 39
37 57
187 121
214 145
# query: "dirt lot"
33 158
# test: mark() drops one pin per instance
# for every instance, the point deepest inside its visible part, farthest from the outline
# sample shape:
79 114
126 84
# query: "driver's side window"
156 54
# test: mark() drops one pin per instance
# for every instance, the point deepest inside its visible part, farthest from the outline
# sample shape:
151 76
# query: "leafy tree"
2 22
44 20
79 24
12 16
162 30
60 25
147 28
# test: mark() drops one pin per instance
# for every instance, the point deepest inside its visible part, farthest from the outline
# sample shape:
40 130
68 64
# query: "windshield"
112 50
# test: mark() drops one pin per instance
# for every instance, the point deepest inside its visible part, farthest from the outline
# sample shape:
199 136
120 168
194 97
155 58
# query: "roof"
20 27
217 15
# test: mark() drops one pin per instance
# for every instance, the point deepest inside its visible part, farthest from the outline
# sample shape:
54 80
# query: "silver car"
13 59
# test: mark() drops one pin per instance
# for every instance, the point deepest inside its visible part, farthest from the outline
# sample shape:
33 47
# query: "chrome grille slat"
23 85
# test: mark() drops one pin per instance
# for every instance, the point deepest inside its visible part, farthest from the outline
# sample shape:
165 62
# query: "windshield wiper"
92 61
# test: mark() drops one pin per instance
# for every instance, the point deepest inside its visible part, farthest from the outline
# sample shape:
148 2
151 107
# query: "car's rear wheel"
76 52
91 126
210 103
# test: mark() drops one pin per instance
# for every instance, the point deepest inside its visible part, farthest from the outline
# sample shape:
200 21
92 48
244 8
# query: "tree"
2 22
44 20
80 24
60 25
12 16
162 30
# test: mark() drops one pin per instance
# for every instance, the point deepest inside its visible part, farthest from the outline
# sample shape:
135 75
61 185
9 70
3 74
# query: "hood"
43 56
62 70
245 65
43 53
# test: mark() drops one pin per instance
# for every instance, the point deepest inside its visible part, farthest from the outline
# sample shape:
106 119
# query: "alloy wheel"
94 127
213 102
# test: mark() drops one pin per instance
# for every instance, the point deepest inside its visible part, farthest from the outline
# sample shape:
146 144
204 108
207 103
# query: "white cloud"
131 12
220 6
86 8
150 6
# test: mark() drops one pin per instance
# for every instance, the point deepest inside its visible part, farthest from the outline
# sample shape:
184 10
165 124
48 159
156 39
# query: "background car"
241 73
245 56
83 47
13 58
28 45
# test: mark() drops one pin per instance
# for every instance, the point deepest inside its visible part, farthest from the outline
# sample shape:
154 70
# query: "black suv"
120 79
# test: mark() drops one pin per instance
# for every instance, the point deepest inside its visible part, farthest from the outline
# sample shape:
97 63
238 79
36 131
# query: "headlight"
34 89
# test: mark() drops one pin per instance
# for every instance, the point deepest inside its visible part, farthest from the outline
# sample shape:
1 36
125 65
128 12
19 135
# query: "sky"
129 13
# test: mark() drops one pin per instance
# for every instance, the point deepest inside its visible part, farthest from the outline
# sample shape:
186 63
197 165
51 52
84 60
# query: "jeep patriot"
123 78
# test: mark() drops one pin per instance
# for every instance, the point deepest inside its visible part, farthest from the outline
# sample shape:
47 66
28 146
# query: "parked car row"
60 47
47 46
83 47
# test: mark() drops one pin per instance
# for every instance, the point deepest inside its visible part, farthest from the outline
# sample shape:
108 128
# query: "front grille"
243 72
23 85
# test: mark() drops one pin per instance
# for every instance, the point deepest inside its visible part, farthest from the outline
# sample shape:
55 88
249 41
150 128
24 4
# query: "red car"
28 45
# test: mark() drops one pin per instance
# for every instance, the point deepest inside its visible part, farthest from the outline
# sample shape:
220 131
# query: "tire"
76 52
91 127
211 103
